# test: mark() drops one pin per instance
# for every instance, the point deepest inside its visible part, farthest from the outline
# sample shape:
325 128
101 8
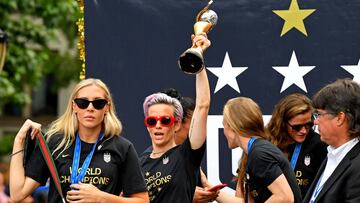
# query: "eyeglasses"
316 115
298 127
151 121
97 103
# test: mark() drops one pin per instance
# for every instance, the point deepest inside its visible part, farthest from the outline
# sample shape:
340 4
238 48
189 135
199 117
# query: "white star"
227 74
293 73
354 70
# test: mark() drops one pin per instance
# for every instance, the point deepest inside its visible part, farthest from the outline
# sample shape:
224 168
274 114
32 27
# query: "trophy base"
191 61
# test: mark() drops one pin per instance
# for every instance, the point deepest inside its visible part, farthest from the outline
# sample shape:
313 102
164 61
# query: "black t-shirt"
266 163
312 153
173 176
150 149
114 167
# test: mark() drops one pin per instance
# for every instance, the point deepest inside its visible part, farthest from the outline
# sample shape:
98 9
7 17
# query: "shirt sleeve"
193 156
36 167
132 177
265 166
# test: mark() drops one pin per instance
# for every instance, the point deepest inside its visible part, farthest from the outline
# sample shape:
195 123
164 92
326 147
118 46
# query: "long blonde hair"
244 117
67 124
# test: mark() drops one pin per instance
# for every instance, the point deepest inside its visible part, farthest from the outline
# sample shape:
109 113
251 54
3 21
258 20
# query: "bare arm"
197 131
90 193
20 185
226 198
281 191
222 197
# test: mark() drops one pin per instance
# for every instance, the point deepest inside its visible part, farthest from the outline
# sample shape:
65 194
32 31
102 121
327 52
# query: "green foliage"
32 28
6 143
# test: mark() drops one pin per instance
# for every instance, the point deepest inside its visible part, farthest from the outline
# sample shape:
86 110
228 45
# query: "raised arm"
197 132
20 185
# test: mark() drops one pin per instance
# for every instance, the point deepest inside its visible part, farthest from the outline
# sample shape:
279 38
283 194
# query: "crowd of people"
286 160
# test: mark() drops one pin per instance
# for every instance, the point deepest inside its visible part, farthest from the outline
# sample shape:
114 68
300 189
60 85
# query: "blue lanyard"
251 141
295 155
317 190
75 177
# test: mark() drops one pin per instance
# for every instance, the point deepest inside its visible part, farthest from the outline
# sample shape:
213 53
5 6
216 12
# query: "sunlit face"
326 123
298 120
162 136
90 118
231 136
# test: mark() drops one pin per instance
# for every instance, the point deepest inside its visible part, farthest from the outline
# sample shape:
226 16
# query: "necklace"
154 153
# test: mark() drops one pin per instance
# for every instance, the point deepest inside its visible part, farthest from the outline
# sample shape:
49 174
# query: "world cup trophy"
192 60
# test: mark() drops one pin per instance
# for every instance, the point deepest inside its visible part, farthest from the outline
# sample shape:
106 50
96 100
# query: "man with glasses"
338 118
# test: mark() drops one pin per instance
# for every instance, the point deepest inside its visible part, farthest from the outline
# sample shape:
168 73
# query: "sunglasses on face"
166 121
84 103
298 127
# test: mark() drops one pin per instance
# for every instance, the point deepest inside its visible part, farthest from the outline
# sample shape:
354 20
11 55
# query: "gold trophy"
192 60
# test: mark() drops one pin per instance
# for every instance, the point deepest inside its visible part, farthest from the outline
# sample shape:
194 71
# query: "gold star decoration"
294 17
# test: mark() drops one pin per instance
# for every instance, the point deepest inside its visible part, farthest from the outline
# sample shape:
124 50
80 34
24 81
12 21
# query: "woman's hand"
83 193
202 195
29 124
201 40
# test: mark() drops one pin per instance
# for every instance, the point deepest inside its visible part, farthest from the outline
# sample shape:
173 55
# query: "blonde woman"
95 164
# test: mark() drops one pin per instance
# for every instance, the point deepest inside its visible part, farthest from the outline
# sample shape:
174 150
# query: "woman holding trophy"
171 171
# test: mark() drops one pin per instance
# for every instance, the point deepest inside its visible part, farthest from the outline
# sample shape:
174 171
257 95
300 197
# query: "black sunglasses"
300 126
84 103
151 121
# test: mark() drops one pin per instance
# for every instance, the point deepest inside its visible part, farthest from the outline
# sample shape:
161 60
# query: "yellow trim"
81 34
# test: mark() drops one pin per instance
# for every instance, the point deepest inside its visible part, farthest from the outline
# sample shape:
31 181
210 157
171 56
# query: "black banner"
260 49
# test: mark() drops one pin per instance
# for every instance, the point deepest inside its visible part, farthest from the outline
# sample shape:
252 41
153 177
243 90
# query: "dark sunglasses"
300 126
151 121
84 103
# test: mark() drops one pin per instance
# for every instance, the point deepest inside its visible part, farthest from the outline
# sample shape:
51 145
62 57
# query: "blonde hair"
67 124
244 117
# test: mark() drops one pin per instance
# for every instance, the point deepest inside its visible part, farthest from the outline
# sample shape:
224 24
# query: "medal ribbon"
317 189
251 141
75 178
50 163
295 155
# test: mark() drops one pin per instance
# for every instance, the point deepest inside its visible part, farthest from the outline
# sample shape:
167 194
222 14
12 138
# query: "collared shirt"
334 157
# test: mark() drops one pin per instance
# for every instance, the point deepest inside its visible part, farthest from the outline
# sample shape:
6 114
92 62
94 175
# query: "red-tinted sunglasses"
166 121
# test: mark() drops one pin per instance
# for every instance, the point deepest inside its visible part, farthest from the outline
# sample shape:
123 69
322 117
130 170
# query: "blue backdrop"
260 49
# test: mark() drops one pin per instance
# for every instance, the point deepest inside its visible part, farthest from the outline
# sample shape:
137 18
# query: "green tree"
34 28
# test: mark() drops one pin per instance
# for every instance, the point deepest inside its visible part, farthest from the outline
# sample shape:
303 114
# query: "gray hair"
161 98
